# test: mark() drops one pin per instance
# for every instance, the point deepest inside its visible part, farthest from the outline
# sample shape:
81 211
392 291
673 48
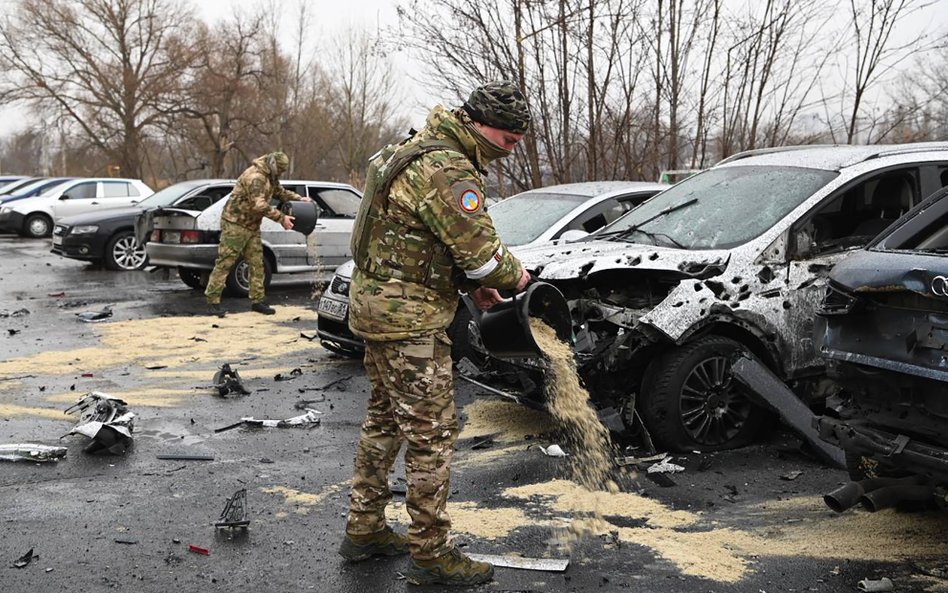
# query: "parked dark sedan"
109 236
884 322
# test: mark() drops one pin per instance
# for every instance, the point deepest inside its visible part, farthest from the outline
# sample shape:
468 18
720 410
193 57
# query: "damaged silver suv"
731 260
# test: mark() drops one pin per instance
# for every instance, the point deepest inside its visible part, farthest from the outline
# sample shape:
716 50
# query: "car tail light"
156 236
190 236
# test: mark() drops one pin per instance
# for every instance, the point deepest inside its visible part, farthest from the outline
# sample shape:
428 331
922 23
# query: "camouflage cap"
499 104
278 162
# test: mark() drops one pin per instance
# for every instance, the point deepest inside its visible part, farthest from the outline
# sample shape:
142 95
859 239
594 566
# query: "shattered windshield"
522 218
720 208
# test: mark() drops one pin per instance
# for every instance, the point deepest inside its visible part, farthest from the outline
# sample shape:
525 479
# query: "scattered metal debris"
522 563
199 550
184 457
883 584
295 373
305 404
309 419
235 511
25 559
18 313
664 467
790 476
95 316
227 380
104 419
310 338
631 460
13 332
552 451
156 367
31 452
128 542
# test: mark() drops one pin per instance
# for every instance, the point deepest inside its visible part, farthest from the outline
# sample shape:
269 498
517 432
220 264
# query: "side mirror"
65 196
573 235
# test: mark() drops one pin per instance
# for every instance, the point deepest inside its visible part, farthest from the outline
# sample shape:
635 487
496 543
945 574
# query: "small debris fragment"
310 419
156 367
665 467
631 460
56 294
17 313
883 584
235 511
199 550
522 563
13 332
790 476
129 542
184 457
482 443
106 421
31 452
25 559
310 338
197 339
95 316
553 451
297 372
226 380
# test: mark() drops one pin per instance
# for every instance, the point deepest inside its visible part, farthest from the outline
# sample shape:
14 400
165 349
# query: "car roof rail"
771 150
897 149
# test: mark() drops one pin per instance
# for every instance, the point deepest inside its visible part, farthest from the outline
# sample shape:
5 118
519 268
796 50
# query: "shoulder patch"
468 197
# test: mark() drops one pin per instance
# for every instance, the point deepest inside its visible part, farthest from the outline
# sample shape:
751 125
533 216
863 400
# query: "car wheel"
691 400
124 253
37 225
238 281
191 277
460 340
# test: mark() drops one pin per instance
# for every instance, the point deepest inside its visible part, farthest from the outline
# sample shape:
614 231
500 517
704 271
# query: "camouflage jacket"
250 200
437 203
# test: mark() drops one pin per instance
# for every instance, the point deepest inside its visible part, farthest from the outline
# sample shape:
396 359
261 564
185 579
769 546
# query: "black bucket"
305 215
505 327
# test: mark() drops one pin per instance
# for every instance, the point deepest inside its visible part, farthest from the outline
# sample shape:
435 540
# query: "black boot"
262 308
215 309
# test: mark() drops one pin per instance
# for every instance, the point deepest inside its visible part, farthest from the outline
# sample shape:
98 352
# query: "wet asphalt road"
74 514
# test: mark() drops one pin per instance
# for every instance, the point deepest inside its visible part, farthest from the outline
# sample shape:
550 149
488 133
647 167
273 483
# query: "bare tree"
110 66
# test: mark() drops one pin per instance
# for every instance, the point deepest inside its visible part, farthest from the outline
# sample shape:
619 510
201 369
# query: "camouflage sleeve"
285 195
455 213
259 193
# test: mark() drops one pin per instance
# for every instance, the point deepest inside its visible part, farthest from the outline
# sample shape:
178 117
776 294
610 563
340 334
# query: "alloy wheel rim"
38 227
127 254
713 409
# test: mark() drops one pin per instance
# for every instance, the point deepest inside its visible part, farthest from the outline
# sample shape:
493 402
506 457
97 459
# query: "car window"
203 199
522 218
118 189
81 191
606 212
336 203
701 212
853 216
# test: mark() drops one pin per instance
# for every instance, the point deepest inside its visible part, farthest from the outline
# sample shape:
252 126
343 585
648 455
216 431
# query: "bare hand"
524 279
485 297
305 199
287 222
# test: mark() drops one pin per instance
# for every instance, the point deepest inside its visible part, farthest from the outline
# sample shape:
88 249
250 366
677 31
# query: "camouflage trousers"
412 400
237 241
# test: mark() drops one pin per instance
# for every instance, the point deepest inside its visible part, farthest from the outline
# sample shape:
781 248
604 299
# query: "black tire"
690 400
460 340
123 253
37 225
193 278
238 281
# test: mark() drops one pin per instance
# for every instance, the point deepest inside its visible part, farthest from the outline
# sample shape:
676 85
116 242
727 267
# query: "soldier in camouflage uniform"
240 228
422 235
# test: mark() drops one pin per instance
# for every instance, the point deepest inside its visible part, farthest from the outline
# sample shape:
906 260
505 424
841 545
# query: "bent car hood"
878 271
577 260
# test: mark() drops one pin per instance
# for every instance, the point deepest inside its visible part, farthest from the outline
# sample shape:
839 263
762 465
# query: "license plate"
333 309
57 240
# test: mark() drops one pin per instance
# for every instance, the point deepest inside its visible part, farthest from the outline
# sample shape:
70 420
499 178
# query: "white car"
188 239
558 212
33 217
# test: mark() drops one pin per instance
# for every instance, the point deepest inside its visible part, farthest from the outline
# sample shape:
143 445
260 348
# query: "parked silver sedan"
187 240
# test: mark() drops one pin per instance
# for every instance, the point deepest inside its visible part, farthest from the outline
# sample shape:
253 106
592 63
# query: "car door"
842 223
76 199
329 242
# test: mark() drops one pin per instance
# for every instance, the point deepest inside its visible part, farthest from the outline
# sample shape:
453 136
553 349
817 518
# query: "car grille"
339 286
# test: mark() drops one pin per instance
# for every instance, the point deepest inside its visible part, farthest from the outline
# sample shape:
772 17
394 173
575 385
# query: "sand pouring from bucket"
505 327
